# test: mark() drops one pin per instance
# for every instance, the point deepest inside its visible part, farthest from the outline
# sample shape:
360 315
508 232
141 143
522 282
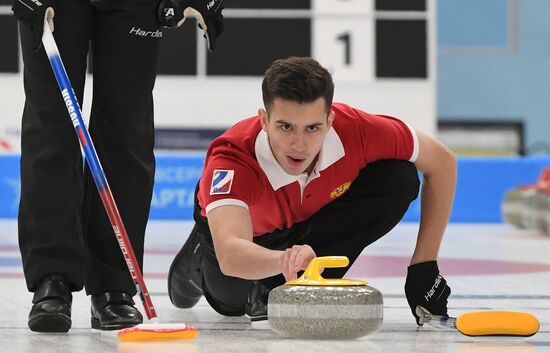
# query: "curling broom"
485 323
143 332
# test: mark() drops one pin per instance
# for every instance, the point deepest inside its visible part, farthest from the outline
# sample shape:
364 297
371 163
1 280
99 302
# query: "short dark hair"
297 79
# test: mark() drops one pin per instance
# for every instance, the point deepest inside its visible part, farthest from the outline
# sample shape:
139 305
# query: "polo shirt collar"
331 151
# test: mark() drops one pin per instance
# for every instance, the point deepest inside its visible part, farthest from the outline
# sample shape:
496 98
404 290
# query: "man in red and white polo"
304 178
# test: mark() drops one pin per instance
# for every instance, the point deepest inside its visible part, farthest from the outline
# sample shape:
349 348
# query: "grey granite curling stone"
547 213
533 210
534 203
314 307
513 205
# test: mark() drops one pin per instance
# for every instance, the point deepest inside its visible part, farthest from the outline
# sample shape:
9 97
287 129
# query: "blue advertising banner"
9 185
481 185
175 181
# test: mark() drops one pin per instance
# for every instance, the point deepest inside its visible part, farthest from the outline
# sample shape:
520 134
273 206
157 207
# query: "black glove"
172 13
427 288
31 13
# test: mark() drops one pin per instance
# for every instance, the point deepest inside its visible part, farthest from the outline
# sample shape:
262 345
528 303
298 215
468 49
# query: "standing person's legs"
121 126
50 230
51 162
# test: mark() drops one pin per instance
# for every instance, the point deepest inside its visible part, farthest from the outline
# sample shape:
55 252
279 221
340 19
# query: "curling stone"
547 211
534 203
513 203
533 212
314 307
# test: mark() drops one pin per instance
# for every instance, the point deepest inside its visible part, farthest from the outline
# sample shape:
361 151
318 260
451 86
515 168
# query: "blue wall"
481 185
472 23
483 74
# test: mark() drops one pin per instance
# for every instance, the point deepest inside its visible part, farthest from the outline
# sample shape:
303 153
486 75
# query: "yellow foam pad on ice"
505 323
162 332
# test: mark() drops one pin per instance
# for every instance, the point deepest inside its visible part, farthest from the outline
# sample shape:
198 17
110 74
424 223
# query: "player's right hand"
31 13
173 13
295 259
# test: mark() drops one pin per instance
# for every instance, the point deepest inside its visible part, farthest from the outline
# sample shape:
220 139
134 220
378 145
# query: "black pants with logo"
373 205
63 228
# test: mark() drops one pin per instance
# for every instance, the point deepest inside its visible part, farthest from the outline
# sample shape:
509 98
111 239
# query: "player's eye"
286 127
312 128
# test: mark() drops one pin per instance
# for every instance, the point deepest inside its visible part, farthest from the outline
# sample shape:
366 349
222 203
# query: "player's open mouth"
295 161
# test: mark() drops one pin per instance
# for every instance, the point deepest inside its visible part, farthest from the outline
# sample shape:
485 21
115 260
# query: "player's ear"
330 118
262 113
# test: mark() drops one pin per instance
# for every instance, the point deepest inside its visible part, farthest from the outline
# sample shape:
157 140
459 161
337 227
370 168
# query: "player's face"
296 132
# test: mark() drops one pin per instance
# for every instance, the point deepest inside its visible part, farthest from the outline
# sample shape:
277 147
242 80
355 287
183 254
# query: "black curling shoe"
184 276
114 311
256 307
51 310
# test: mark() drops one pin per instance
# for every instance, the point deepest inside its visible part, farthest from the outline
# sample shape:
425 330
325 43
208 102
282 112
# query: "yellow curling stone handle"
312 274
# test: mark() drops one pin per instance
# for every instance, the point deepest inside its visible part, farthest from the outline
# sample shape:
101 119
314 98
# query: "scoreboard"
358 39
380 52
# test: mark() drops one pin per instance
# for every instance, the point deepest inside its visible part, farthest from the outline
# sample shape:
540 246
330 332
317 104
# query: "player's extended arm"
438 166
238 256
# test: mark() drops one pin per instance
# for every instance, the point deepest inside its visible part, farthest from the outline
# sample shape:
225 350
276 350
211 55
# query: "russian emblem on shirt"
339 191
222 181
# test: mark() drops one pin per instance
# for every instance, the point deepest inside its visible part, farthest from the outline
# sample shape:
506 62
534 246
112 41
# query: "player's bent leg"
374 204
226 295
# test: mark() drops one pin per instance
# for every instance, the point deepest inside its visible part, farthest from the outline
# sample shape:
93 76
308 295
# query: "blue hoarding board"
481 185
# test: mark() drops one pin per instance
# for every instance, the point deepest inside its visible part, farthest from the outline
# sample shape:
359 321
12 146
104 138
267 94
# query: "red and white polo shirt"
240 168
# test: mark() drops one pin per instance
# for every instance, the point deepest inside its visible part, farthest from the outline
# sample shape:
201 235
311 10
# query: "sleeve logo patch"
221 182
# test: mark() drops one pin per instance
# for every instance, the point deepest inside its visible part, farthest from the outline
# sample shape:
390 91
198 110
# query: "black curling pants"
373 205
63 228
